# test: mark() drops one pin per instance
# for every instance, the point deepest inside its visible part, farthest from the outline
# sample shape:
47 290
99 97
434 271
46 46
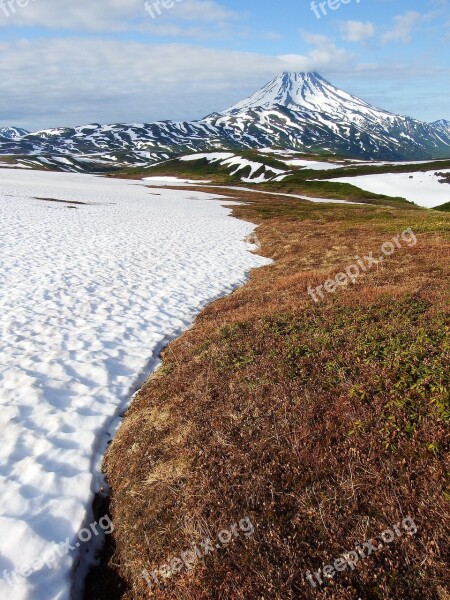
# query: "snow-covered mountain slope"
442 127
12 133
298 111
310 92
86 163
305 111
94 139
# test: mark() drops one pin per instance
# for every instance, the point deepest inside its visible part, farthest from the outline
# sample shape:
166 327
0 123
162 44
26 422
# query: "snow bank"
89 295
315 165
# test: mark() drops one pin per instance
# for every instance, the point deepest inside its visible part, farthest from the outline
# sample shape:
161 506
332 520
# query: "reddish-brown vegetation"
324 424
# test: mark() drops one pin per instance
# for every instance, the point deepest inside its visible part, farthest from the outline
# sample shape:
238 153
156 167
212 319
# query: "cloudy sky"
67 62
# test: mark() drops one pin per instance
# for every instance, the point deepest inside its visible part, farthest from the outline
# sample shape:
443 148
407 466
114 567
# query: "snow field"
88 296
422 188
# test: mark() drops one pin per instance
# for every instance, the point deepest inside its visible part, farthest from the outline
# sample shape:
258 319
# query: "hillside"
425 183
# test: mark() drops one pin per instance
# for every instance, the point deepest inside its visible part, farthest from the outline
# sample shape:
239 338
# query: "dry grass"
325 424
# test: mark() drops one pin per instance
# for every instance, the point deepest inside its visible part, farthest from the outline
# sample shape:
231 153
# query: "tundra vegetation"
324 424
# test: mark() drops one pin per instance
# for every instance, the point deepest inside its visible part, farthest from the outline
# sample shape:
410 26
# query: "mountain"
442 127
12 133
297 111
310 92
316 116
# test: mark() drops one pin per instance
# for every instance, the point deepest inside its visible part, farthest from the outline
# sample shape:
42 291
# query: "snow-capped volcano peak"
310 92
288 89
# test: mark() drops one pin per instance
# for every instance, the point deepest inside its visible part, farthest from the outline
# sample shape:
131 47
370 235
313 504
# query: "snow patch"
422 188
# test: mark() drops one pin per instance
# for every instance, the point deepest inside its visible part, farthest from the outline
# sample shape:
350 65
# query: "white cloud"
118 15
357 31
56 82
404 25
73 81
324 52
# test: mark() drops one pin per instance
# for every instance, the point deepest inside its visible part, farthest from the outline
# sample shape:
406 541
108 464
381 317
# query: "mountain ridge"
12 133
296 111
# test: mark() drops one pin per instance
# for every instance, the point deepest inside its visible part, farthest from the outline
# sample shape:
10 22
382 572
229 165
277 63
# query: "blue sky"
80 61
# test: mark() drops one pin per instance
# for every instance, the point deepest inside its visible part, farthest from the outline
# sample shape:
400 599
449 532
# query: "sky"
72 62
